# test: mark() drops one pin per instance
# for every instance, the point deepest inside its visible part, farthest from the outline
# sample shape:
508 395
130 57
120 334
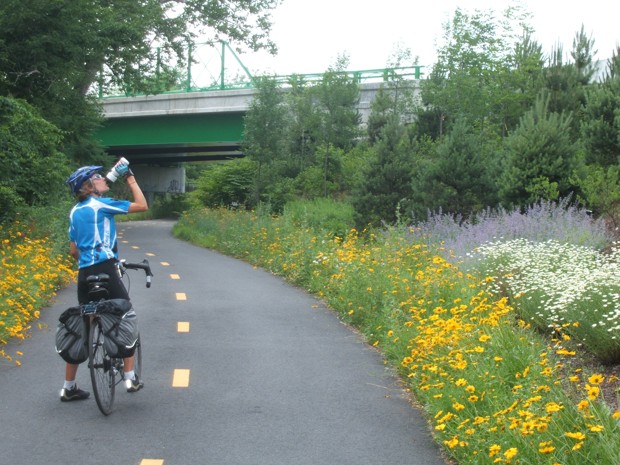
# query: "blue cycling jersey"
93 229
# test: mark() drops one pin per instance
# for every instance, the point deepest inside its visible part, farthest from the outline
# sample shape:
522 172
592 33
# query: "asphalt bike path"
240 368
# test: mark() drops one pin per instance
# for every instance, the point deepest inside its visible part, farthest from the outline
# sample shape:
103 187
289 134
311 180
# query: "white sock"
69 384
130 374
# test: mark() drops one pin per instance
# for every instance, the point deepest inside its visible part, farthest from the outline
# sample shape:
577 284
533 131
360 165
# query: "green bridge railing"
245 80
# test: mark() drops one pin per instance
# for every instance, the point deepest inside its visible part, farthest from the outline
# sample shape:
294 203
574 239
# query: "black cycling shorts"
116 288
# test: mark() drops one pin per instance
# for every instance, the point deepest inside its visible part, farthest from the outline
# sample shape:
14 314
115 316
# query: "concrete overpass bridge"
160 132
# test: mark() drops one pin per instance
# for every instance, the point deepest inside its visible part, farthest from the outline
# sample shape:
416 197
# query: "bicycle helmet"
80 175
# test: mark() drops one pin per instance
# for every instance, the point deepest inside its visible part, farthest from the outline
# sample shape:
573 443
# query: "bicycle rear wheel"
102 370
137 364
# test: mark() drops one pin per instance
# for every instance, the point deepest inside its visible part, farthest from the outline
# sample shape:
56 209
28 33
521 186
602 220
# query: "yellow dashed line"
152 462
183 326
175 276
135 247
180 378
149 254
164 263
181 296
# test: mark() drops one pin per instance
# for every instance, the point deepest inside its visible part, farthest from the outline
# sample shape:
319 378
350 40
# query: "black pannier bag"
120 327
72 336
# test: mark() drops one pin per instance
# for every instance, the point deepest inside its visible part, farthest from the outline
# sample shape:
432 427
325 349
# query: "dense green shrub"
321 215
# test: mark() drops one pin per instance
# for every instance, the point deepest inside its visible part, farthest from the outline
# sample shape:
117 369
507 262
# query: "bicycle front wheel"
102 370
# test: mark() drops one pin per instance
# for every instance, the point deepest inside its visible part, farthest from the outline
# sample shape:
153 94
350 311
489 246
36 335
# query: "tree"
396 96
457 178
600 127
337 96
469 79
566 82
540 156
386 185
226 184
304 128
32 169
523 76
265 126
53 51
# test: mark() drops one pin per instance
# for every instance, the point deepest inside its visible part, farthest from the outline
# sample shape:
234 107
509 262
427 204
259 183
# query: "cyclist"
92 242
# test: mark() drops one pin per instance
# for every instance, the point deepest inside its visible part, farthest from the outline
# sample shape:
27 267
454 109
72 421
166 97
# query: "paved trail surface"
274 377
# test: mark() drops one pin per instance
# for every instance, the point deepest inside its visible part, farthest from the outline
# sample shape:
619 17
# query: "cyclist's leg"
70 391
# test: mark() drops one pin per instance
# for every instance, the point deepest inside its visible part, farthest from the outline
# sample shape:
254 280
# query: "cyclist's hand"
123 170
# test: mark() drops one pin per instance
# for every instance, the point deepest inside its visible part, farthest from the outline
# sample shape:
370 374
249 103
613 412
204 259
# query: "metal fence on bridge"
200 78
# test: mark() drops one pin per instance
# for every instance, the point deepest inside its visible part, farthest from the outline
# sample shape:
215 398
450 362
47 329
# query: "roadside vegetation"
34 264
504 374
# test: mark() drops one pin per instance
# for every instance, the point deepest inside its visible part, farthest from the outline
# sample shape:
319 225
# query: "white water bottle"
113 174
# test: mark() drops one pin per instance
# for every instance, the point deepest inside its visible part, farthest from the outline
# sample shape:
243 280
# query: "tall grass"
495 390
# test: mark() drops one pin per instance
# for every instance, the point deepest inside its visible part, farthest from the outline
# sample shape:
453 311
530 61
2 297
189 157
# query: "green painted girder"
185 129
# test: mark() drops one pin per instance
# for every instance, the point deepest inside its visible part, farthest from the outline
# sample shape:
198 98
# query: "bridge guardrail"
414 72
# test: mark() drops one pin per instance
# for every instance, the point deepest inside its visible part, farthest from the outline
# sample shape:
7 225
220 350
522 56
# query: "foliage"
168 205
79 39
565 83
474 56
53 52
225 184
298 137
386 186
396 97
495 390
456 178
601 123
304 125
560 288
324 178
321 215
540 150
337 95
32 169
33 267
10 203
600 187
564 221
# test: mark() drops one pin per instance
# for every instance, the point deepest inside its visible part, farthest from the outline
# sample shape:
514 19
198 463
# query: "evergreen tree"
396 96
265 126
566 82
523 79
540 157
386 186
456 178
600 128
337 96
304 125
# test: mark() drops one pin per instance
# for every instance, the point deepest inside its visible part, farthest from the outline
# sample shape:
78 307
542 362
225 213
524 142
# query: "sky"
311 34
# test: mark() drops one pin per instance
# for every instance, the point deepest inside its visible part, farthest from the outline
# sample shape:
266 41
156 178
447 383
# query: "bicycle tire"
137 363
102 369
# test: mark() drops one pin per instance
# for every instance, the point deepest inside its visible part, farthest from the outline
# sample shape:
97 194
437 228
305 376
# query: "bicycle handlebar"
144 265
